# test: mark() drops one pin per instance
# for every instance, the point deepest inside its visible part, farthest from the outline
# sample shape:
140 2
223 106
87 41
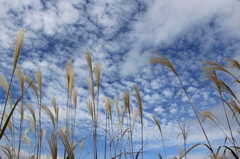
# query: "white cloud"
120 35
158 110
167 93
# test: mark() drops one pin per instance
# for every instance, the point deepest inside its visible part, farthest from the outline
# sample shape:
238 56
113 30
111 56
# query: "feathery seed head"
70 76
206 114
17 45
123 113
74 96
97 70
20 76
108 107
157 123
29 80
91 88
39 80
4 84
90 107
234 106
135 114
27 140
89 61
211 65
219 85
116 105
56 109
49 113
139 101
81 146
162 60
184 131
126 99
232 63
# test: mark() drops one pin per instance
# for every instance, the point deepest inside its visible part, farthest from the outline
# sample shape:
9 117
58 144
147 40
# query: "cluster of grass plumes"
118 136
210 69
62 141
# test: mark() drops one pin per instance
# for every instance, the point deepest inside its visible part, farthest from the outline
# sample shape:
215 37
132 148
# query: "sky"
121 35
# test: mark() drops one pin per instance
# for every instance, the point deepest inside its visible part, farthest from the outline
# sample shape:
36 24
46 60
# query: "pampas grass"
162 60
119 125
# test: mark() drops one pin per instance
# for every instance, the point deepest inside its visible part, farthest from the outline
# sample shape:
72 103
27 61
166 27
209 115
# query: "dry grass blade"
27 139
97 70
53 145
126 99
4 84
159 128
139 101
184 131
20 76
32 123
74 145
89 61
206 114
234 106
81 147
194 146
56 109
220 85
74 96
227 89
116 105
39 80
70 76
180 151
21 111
108 107
162 60
44 135
123 113
67 145
17 45
210 75
31 118
91 88
7 150
213 66
90 107
135 114
157 123
119 125
49 113
29 80
232 63
9 124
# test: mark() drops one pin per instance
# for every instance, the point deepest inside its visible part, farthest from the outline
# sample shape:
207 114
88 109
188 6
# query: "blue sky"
120 34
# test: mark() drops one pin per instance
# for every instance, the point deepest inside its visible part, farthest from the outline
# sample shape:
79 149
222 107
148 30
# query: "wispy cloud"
120 35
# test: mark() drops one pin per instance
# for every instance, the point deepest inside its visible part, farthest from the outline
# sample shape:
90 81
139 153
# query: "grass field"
18 113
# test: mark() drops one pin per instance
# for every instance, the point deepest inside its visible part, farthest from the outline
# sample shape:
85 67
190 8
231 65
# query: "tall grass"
209 72
118 134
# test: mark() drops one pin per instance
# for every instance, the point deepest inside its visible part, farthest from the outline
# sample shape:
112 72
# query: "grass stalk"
139 102
160 130
162 60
